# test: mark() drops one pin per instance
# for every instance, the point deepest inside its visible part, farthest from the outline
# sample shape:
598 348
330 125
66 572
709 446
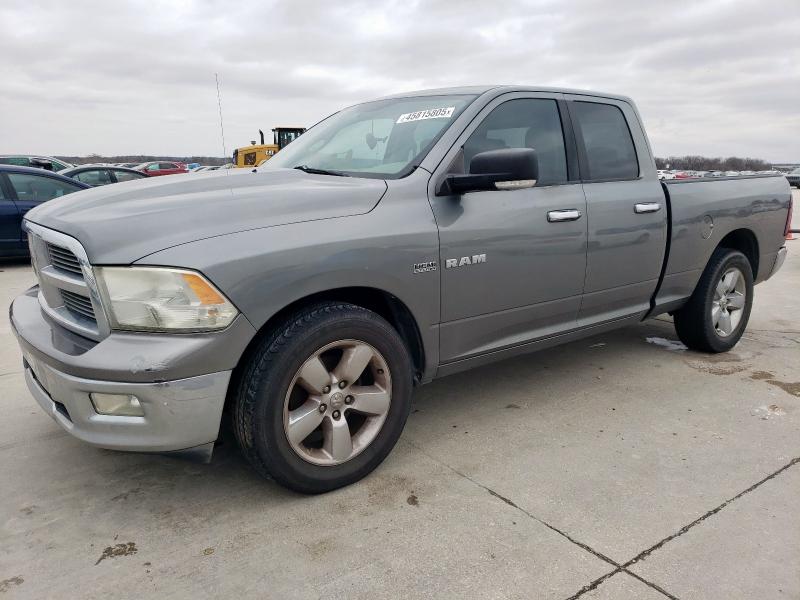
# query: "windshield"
381 139
796 171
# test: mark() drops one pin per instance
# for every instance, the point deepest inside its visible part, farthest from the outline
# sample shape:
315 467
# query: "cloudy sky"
716 77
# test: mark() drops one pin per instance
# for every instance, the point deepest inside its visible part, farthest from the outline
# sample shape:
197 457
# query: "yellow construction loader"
254 154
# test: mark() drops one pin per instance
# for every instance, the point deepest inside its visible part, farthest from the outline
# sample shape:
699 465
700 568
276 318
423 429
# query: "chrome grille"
78 304
63 259
67 288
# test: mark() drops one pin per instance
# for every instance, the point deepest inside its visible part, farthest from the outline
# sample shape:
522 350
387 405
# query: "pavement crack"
650 584
505 499
644 554
513 504
590 586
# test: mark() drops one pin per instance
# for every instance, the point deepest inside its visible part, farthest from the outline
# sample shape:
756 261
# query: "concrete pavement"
616 467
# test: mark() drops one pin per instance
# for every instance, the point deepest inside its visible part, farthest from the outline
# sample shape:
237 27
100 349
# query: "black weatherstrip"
666 252
580 149
571 146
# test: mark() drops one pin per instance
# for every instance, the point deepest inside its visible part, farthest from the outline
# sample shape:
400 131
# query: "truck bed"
703 212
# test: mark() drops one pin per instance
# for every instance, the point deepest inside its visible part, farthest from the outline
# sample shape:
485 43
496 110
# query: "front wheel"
324 398
716 315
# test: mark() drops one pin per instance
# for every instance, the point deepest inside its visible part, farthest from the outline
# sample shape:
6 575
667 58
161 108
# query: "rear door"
512 262
626 209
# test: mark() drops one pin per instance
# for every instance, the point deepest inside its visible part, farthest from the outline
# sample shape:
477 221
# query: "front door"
512 262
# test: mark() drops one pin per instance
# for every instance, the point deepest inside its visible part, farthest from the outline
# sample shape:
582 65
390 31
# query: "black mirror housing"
505 169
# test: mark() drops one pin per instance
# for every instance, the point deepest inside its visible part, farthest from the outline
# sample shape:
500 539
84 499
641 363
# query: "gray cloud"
718 77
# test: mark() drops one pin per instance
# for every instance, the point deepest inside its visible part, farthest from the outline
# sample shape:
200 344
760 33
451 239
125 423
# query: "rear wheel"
716 315
324 399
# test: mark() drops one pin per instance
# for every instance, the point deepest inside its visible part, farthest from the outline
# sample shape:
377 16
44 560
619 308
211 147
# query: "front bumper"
178 414
180 380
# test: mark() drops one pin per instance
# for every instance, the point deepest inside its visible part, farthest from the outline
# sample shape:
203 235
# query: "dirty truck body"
395 242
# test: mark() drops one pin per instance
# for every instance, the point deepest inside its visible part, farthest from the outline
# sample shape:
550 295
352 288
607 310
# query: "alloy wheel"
730 296
337 402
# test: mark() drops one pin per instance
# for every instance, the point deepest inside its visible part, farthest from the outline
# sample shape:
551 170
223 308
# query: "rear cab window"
609 148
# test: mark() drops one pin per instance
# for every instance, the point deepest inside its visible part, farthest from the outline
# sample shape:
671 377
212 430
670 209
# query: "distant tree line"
704 163
140 158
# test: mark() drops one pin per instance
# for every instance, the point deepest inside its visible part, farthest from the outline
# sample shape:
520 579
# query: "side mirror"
506 169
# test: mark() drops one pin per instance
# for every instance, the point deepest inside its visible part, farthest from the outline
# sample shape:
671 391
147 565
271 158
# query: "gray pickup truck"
396 241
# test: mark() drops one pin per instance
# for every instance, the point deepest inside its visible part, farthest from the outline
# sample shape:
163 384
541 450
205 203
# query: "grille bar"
78 304
63 259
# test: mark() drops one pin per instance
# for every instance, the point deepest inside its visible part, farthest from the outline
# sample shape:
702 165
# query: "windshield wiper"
315 171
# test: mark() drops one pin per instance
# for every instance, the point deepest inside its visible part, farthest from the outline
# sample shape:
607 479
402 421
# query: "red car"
162 168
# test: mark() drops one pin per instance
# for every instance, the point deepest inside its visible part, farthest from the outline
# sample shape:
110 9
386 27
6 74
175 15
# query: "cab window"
524 123
610 152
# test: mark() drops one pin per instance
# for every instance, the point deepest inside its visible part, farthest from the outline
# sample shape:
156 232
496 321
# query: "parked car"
319 289
95 175
794 177
162 168
48 163
732 173
22 188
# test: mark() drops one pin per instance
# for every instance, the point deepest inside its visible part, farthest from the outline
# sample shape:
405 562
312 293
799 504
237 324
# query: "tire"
282 379
696 322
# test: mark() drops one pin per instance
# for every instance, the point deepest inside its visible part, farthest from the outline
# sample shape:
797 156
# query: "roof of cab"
503 89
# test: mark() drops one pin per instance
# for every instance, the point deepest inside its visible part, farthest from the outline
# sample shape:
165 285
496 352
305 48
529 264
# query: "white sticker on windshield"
433 113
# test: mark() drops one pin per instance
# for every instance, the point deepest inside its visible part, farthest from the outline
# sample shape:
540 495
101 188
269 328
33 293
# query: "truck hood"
123 222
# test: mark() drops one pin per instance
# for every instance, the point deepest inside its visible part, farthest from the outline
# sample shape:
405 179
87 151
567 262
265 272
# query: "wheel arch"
746 242
379 301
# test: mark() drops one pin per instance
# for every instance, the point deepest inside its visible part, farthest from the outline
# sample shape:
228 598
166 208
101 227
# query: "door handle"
646 207
569 214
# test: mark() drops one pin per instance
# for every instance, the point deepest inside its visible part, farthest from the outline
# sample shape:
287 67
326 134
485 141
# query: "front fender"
263 271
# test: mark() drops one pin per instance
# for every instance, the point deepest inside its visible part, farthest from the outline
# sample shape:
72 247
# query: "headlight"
162 299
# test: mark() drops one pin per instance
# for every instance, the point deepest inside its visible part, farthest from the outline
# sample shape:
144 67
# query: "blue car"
22 188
